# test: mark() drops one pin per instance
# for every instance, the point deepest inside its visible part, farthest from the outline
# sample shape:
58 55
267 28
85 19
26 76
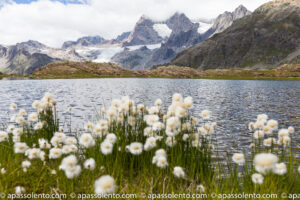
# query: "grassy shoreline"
79 70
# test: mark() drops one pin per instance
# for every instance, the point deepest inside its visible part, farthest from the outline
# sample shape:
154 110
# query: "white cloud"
53 22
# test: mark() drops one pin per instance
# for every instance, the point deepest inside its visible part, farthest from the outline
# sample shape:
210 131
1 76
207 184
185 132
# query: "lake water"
234 103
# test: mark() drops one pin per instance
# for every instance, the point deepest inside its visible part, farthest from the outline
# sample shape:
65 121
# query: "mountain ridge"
261 40
150 43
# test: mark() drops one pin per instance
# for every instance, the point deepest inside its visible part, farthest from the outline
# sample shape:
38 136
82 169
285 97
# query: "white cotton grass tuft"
69 165
86 140
105 185
70 140
273 124
38 126
112 138
158 102
265 162
158 126
257 178
18 131
106 147
55 153
171 141
25 165
150 143
73 172
185 137
180 112
251 126
44 144
205 114
238 158
89 126
19 190
291 129
262 117
89 164
3 171
67 162
61 136
283 133
161 152
269 142
13 106
280 168
177 97
20 147
3 136
151 119
33 117
33 153
258 134
188 102
136 148
162 162
178 172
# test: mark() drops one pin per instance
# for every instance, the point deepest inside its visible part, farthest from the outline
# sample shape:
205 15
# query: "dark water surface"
234 103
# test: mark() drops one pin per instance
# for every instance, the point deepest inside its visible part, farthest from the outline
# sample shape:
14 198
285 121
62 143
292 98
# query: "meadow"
138 149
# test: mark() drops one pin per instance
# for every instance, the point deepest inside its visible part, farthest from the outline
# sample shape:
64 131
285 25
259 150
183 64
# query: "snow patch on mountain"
203 27
150 46
99 54
163 30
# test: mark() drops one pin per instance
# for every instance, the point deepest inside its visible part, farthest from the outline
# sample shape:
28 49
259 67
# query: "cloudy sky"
54 21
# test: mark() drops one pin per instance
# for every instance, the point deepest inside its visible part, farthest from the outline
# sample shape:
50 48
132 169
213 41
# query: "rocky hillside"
18 60
68 69
268 38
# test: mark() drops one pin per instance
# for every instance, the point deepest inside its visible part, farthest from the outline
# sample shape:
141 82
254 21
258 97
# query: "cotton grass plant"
138 149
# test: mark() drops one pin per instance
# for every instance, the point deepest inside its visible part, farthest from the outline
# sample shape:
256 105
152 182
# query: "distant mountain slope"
20 61
184 33
267 38
84 41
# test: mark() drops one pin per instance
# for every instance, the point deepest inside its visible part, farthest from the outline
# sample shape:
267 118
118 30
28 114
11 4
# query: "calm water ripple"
234 103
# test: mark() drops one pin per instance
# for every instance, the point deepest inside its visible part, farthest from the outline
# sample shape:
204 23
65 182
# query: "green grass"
135 174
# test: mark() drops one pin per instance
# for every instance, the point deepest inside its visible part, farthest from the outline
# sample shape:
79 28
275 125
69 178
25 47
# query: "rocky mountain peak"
180 22
223 21
240 12
31 44
143 33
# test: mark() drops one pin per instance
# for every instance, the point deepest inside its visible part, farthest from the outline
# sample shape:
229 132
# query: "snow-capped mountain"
180 33
149 43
